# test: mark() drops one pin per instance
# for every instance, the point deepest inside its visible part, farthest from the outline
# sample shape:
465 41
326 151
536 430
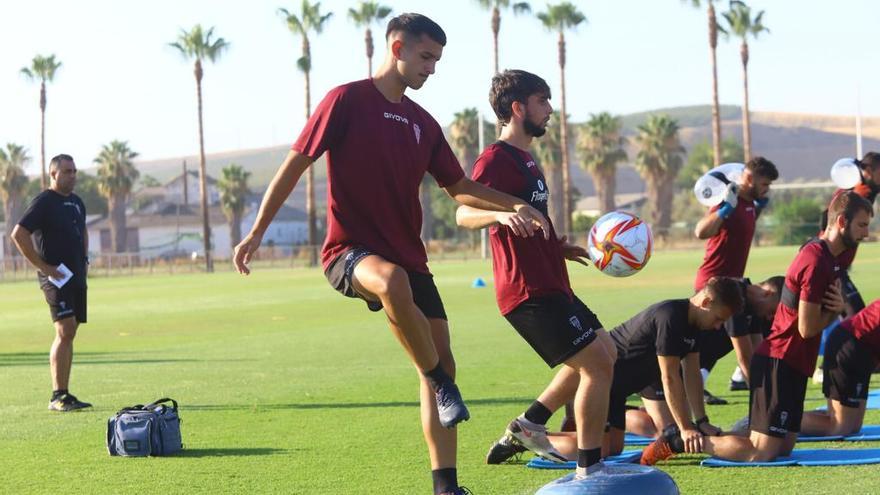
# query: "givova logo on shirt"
395 117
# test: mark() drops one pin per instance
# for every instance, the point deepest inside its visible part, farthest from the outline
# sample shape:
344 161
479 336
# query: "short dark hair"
871 159
415 25
848 204
762 167
774 283
56 160
725 291
514 85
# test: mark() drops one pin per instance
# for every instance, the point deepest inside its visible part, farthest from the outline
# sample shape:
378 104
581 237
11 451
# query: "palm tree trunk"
652 188
563 140
606 184
203 186
310 172
44 183
666 196
496 27
554 177
747 131
235 228
368 39
117 223
716 110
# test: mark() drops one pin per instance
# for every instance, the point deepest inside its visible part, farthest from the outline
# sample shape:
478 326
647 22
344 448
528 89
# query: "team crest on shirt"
418 131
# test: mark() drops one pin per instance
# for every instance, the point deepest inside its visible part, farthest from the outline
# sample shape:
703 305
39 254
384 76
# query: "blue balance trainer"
617 479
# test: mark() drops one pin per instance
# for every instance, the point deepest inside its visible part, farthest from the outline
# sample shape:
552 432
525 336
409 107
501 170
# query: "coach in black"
53 233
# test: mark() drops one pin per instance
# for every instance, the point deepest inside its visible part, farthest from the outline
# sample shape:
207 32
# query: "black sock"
588 457
58 393
437 377
445 480
538 413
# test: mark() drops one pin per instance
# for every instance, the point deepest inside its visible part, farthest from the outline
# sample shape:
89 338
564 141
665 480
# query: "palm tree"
309 20
233 194
367 14
496 6
42 69
548 153
742 24
13 184
560 17
660 157
601 148
464 137
714 28
201 45
117 176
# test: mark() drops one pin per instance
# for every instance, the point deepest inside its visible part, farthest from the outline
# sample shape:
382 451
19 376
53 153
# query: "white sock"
705 373
738 375
528 424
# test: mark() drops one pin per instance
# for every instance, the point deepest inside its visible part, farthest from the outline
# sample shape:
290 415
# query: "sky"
121 80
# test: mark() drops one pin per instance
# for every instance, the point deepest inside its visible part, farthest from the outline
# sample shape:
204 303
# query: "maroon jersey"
524 267
865 326
377 153
809 276
728 250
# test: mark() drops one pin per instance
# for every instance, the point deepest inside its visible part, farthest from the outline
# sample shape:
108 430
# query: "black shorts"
776 401
632 376
846 369
714 345
66 302
425 294
557 328
653 391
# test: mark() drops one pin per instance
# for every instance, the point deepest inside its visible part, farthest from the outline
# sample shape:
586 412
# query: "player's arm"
479 196
282 185
22 239
815 317
693 385
709 225
673 389
743 348
475 219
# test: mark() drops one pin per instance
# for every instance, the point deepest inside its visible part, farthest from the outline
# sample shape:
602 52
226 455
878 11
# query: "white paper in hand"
59 282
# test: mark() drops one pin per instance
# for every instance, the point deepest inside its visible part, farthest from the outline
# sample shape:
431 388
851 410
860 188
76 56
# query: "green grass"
286 387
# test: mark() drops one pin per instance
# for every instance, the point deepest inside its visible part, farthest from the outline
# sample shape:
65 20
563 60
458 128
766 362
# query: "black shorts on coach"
425 294
776 401
846 369
65 302
555 326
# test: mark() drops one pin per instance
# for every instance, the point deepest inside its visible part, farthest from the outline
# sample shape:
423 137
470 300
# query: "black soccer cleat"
712 400
504 449
450 406
67 403
738 385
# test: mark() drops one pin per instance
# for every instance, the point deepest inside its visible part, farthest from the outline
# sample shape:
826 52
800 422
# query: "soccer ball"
620 244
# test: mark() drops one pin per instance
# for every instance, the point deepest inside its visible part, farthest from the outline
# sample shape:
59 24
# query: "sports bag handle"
159 401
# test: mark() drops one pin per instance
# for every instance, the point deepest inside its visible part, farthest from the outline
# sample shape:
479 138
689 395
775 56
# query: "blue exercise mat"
809 457
871 432
625 457
633 439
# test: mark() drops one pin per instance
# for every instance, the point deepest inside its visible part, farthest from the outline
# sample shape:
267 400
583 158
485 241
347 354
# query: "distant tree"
233 195
149 181
13 184
496 6
795 220
42 69
742 24
660 158
548 153
714 29
116 178
366 15
600 147
464 137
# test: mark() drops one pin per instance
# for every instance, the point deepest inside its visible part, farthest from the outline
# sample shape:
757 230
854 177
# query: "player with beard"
531 280
811 299
728 229
379 145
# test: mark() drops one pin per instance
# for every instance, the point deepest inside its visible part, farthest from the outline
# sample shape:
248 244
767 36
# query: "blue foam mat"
870 432
809 457
625 457
633 439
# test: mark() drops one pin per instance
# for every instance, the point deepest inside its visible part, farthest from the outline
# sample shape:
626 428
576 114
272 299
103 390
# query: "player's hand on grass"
833 301
693 440
244 251
573 252
534 217
520 225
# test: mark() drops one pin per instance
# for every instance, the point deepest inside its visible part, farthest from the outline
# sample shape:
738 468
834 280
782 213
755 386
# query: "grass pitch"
287 387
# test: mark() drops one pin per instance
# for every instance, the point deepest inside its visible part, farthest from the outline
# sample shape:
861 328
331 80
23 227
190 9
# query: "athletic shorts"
557 328
776 401
653 391
846 369
425 294
714 345
632 376
66 302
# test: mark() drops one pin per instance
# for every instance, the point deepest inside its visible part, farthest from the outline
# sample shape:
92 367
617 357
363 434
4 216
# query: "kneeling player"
851 355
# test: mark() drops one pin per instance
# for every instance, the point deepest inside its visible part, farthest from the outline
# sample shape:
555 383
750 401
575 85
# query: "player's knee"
66 330
393 284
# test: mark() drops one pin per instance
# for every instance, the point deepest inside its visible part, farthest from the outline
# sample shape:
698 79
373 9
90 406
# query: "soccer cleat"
66 403
738 385
504 449
656 451
450 406
712 400
534 439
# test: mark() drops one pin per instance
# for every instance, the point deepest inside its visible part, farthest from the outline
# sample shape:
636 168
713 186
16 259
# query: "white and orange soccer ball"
620 244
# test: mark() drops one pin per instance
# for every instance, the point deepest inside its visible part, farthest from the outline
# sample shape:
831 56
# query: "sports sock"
538 413
437 377
58 393
445 480
588 457
705 373
738 375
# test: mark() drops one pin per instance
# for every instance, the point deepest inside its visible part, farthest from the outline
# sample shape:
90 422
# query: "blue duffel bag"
141 430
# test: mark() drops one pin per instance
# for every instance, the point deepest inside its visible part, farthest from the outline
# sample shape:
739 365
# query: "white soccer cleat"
534 438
